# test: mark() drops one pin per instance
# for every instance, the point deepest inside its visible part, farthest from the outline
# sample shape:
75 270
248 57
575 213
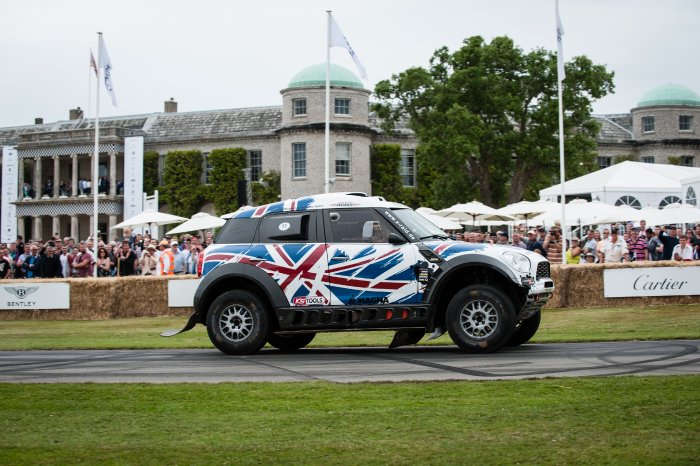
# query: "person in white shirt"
614 249
682 251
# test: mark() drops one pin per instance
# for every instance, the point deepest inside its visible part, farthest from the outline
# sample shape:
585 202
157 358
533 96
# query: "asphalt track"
352 364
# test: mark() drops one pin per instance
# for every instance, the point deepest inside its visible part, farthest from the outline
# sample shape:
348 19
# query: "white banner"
651 281
30 295
133 176
10 188
181 292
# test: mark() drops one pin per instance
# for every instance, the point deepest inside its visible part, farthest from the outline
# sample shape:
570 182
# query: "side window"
290 228
357 226
238 231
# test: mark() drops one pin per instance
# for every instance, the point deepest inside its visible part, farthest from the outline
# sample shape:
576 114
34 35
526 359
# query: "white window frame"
408 170
648 159
604 162
298 160
648 124
255 168
343 153
337 106
295 109
688 122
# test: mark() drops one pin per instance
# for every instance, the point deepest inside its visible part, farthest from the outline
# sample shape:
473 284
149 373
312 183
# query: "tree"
487 118
226 170
268 189
150 171
385 163
182 182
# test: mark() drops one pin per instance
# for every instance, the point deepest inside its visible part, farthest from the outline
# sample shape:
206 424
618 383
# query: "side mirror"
394 238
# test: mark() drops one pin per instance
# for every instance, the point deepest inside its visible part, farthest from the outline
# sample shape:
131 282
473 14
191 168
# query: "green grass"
558 325
617 420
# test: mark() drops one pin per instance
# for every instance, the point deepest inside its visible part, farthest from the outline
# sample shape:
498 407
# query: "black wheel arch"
468 270
237 276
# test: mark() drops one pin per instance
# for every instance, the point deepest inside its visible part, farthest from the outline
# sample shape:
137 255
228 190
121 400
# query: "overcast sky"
215 54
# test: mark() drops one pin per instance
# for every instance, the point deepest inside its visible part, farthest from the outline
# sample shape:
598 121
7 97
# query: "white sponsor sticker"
35 296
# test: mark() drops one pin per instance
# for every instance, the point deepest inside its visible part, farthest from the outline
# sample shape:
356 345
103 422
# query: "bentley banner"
35 296
652 281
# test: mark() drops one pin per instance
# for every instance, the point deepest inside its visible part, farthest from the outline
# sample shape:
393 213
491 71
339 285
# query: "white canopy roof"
627 177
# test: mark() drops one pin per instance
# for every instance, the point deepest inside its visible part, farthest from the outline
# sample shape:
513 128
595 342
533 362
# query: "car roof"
315 202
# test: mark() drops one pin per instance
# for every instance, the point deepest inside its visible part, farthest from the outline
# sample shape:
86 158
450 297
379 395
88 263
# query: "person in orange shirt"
166 260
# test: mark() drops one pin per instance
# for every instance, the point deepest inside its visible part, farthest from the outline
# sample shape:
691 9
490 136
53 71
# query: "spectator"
518 242
126 261
104 263
637 246
193 257
654 246
166 259
553 245
589 243
30 262
589 258
180 260
83 262
502 238
670 241
50 265
534 244
573 253
148 261
614 249
65 268
5 263
643 229
682 251
695 242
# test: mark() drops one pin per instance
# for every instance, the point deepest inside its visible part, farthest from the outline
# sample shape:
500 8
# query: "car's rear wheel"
290 342
238 322
480 319
525 330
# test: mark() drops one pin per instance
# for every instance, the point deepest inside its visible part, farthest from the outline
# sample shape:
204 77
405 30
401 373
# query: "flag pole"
96 156
327 137
562 167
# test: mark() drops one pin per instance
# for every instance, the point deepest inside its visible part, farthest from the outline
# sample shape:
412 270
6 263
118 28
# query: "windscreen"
418 225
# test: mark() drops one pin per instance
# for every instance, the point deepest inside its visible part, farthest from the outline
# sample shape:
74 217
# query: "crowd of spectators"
131 254
623 242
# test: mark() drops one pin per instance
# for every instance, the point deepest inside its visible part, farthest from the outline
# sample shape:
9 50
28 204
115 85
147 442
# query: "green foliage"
182 182
150 171
226 170
628 157
487 118
385 163
674 160
268 189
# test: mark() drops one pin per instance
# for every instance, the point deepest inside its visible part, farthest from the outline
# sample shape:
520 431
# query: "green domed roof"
315 76
669 94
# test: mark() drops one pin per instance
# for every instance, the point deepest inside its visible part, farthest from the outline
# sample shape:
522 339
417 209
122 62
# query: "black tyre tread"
506 324
290 342
526 330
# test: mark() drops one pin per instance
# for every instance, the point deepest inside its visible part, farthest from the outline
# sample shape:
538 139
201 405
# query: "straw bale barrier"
109 298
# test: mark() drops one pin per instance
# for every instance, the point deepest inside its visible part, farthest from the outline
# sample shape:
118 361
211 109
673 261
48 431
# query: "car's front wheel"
290 342
525 330
480 319
238 322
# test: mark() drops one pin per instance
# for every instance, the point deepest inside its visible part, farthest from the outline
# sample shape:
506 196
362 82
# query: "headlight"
518 261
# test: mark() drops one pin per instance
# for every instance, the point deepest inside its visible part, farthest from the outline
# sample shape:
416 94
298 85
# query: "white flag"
107 69
560 49
338 39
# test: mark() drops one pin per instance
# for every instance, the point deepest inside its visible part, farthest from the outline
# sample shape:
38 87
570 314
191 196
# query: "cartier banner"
652 281
35 296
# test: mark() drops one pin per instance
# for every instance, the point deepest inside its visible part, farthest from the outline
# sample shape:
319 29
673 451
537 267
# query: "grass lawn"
558 325
617 420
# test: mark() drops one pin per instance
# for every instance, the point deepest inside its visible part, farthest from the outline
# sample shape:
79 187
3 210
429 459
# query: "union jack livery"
282 272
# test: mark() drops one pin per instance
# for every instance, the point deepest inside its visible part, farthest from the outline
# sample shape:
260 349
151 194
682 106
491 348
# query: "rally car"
282 272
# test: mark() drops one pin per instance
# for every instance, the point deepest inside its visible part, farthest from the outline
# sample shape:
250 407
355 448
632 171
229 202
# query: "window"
207 168
629 201
648 124
408 168
298 107
288 228
690 197
648 159
255 160
342 106
604 162
238 231
668 200
358 226
343 157
687 160
299 159
685 122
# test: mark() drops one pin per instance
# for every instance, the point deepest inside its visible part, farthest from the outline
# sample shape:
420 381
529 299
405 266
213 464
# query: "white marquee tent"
629 183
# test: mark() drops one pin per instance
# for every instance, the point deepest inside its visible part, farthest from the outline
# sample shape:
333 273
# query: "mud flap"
437 333
191 322
407 336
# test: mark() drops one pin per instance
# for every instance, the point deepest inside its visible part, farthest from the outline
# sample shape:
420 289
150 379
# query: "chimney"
75 113
170 106
38 121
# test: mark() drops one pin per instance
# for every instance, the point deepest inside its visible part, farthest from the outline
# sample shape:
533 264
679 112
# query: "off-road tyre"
480 319
238 322
525 330
290 342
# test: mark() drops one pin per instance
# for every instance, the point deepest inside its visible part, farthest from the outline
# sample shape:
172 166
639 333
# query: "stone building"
287 138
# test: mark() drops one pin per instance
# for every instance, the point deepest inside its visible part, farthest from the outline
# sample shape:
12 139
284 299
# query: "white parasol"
200 221
148 217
